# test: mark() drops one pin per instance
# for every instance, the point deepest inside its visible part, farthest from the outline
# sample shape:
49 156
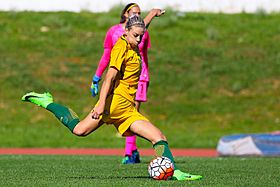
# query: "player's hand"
158 12
94 85
97 112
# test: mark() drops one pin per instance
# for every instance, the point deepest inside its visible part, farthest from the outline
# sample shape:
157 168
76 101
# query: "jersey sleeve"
148 42
145 47
104 61
108 41
145 43
118 54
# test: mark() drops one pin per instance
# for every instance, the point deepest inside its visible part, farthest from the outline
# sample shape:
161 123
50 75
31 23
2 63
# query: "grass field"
211 75
19 170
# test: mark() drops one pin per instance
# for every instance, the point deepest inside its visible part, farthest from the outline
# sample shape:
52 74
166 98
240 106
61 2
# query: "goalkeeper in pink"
113 34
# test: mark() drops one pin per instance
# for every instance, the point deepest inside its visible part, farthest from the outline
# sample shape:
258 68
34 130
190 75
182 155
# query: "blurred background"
226 6
215 70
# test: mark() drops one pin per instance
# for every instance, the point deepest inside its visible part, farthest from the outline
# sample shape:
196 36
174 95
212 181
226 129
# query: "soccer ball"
161 168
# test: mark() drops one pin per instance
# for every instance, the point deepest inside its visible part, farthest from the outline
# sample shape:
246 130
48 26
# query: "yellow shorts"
122 113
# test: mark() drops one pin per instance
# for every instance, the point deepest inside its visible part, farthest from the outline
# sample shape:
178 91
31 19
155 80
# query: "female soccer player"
112 35
116 101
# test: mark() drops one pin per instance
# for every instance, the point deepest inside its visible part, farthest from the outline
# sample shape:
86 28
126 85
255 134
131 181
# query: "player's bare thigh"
87 125
147 130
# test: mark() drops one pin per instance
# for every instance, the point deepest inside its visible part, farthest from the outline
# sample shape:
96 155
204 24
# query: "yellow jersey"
120 108
128 62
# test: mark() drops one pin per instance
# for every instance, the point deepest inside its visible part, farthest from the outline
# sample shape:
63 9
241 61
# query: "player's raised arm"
153 13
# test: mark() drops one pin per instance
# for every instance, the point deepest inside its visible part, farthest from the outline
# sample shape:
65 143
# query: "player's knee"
79 132
163 137
158 138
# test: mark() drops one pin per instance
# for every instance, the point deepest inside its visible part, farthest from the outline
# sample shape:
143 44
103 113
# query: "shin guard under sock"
162 149
65 115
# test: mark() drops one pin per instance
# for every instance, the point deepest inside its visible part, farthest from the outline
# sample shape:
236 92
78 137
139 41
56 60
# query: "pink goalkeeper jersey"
111 38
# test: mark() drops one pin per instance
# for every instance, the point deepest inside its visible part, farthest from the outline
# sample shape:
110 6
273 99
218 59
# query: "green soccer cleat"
42 100
181 176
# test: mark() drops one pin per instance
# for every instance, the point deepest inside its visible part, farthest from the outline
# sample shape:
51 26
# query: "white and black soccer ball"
161 168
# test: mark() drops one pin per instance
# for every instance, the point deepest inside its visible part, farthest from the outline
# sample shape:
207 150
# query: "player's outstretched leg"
162 149
65 115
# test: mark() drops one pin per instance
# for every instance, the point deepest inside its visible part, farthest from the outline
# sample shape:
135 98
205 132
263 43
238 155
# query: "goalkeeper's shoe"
42 100
136 156
181 176
133 159
128 160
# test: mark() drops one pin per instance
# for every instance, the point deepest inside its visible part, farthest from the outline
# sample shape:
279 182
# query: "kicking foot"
180 176
42 100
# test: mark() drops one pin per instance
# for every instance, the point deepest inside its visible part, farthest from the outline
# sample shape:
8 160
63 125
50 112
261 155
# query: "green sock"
65 115
162 149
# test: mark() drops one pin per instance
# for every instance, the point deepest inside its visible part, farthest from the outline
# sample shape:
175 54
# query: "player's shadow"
109 177
181 162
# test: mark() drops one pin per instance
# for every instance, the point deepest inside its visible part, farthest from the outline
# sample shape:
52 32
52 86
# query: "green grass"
211 75
35 170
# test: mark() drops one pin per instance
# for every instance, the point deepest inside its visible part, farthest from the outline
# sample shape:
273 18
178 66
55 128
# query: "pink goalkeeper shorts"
141 94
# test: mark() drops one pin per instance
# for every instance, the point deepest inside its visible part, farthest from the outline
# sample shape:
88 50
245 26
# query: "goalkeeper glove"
94 85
